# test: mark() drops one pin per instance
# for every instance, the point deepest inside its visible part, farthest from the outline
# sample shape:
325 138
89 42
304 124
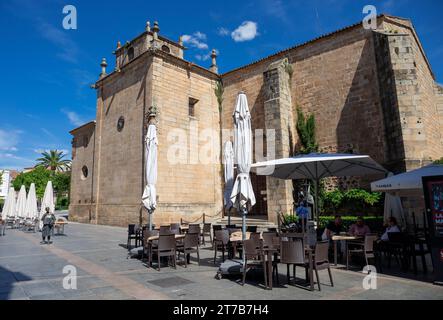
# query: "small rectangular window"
192 103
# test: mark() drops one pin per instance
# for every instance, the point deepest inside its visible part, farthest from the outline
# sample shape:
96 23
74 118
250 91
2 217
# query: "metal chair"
166 248
366 249
271 240
221 241
321 261
190 245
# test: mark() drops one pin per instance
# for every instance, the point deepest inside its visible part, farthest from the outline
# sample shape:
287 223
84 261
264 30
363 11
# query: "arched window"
85 172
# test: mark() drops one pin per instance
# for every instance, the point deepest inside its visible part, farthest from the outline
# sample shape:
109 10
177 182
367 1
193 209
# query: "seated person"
359 229
333 228
392 227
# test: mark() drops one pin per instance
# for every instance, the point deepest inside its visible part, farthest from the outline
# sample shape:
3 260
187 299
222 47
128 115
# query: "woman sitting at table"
391 228
359 229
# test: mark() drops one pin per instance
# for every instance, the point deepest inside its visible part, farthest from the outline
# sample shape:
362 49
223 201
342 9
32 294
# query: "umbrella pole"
244 213
229 217
316 203
150 219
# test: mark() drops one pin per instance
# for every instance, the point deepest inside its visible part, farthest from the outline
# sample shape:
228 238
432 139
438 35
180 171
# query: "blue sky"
47 70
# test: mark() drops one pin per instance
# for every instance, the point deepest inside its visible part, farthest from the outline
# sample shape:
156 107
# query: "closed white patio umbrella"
242 195
228 161
10 203
21 203
31 203
317 166
48 200
149 197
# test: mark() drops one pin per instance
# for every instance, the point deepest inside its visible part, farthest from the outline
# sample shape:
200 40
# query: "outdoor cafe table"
345 238
177 237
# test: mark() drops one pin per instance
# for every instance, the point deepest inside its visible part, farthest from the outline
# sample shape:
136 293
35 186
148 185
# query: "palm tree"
54 161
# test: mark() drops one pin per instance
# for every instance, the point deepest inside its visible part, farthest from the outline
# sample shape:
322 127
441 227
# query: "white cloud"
196 40
223 31
205 57
73 117
9 140
245 32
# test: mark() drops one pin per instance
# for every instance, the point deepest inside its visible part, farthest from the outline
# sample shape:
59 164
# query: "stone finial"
156 29
104 64
119 44
214 67
180 40
148 26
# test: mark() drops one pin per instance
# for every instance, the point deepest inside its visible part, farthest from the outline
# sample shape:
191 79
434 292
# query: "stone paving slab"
29 270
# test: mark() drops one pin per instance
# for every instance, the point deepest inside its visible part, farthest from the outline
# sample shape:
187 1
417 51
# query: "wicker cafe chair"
293 252
206 232
132 235
254 257
221 242
189 245
175 228
147 245
166 248
366 249
271 240
194 228
321 261
165 230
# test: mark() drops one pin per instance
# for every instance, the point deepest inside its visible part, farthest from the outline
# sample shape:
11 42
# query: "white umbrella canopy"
21 203
10 202
31 203
242 195
317 166
407 182
394 208
228 161
149 197
48 200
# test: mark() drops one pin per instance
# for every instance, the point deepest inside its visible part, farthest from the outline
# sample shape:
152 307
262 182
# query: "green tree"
439 161
54 160
306 132
1 177
40 176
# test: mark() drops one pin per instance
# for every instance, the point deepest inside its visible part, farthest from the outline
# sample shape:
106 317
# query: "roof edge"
93 122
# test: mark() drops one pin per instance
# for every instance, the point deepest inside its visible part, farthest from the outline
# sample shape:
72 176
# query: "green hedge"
353 201
374 223
62 203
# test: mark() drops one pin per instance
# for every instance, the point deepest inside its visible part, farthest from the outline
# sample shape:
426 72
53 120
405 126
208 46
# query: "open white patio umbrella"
407 182
317 166
31 203
393 207
228 161
242 195
21 203
10 202
149 197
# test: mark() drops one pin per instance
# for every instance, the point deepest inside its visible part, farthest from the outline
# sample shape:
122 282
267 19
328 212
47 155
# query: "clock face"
120 123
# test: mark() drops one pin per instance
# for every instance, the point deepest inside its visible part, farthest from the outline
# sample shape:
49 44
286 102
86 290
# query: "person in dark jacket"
48 220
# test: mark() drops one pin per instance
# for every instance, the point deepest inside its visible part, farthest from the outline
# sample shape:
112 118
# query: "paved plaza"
29 270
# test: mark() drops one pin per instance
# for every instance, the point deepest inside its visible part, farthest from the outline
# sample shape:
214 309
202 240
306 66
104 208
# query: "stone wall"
81 195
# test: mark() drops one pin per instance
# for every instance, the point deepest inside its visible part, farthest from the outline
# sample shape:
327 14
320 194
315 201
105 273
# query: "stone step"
260 223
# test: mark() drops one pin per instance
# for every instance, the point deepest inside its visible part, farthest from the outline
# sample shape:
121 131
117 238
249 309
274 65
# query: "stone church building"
371 91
